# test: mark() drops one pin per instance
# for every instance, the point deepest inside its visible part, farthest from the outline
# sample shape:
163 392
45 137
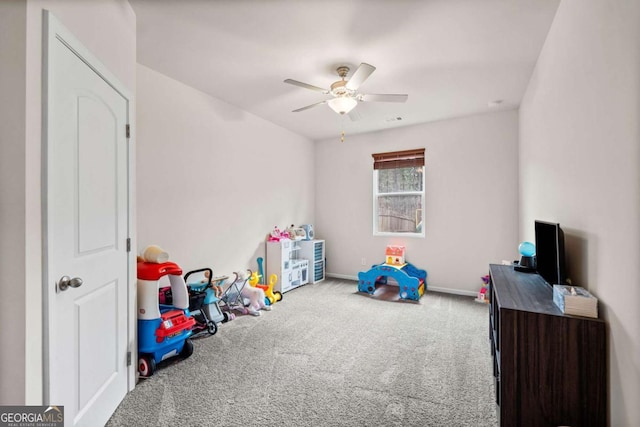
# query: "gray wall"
13 16
212 179
579 166
471 195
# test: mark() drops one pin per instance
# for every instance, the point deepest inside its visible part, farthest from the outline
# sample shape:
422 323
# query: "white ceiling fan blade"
308 106
388 97
362 73
306 86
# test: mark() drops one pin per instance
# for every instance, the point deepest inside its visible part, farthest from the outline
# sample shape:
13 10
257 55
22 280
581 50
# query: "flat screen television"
550 257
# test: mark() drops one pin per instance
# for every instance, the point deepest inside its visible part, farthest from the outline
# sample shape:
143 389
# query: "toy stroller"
232 298
203 304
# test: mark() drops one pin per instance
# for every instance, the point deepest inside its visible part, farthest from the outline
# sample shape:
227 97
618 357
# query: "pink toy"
482 293
276 235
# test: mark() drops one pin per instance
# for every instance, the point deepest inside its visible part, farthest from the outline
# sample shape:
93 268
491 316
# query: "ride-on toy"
163 330
271 296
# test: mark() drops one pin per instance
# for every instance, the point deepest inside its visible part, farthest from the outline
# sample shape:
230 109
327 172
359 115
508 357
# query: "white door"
86 231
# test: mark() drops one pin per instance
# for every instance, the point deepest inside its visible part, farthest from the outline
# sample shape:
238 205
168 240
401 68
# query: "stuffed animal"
154 254
276 235
296 233
255 296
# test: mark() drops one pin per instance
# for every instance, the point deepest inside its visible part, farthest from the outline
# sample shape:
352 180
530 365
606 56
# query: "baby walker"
163 330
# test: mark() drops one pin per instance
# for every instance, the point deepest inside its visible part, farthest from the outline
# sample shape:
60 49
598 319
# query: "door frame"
52 30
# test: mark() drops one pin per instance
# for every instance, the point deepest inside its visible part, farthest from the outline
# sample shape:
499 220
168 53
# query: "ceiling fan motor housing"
342 71
339 89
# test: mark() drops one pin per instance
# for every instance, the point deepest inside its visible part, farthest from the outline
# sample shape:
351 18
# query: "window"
398 193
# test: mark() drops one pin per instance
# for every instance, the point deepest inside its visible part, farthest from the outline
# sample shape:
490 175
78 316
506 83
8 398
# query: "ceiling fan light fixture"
342 104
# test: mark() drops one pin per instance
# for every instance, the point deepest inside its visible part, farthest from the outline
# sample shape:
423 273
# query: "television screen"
550 261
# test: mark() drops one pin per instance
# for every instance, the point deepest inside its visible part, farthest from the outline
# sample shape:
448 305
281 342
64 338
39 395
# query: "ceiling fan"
345 92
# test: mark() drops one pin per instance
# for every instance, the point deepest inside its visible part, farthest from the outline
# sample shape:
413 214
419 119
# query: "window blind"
399 159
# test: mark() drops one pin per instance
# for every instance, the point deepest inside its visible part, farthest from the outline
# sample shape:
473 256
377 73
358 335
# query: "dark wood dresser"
550 369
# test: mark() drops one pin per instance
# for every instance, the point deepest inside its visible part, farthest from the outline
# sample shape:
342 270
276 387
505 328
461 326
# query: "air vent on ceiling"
393 119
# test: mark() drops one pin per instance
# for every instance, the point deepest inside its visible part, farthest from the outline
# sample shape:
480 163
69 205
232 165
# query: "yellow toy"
270 295
254 279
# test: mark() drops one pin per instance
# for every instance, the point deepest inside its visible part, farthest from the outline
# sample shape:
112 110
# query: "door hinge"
128 244
128 358
128 130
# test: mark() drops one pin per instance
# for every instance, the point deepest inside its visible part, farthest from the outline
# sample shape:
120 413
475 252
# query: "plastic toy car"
163 330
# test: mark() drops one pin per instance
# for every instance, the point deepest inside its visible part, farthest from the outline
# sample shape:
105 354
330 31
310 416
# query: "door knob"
65 283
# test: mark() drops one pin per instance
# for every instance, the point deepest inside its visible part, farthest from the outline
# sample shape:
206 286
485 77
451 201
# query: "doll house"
395 255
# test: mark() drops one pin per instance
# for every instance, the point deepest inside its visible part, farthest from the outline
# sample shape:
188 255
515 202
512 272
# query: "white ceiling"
452 57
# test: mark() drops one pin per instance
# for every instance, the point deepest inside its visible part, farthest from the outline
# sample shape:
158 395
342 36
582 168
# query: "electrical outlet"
363 261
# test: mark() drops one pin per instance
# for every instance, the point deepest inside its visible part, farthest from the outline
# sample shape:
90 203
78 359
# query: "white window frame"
376 194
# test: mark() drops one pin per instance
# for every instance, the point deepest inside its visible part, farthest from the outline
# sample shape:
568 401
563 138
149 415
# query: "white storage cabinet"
314 251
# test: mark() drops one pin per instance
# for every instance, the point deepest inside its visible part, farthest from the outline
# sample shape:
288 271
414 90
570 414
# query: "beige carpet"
329 356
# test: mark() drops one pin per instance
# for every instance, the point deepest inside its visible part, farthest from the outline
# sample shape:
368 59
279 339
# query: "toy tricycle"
163 330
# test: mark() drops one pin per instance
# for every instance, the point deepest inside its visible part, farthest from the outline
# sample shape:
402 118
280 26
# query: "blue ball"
527 249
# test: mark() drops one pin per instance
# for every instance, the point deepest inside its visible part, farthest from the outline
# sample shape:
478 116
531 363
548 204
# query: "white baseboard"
453 291
429 288
342 276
